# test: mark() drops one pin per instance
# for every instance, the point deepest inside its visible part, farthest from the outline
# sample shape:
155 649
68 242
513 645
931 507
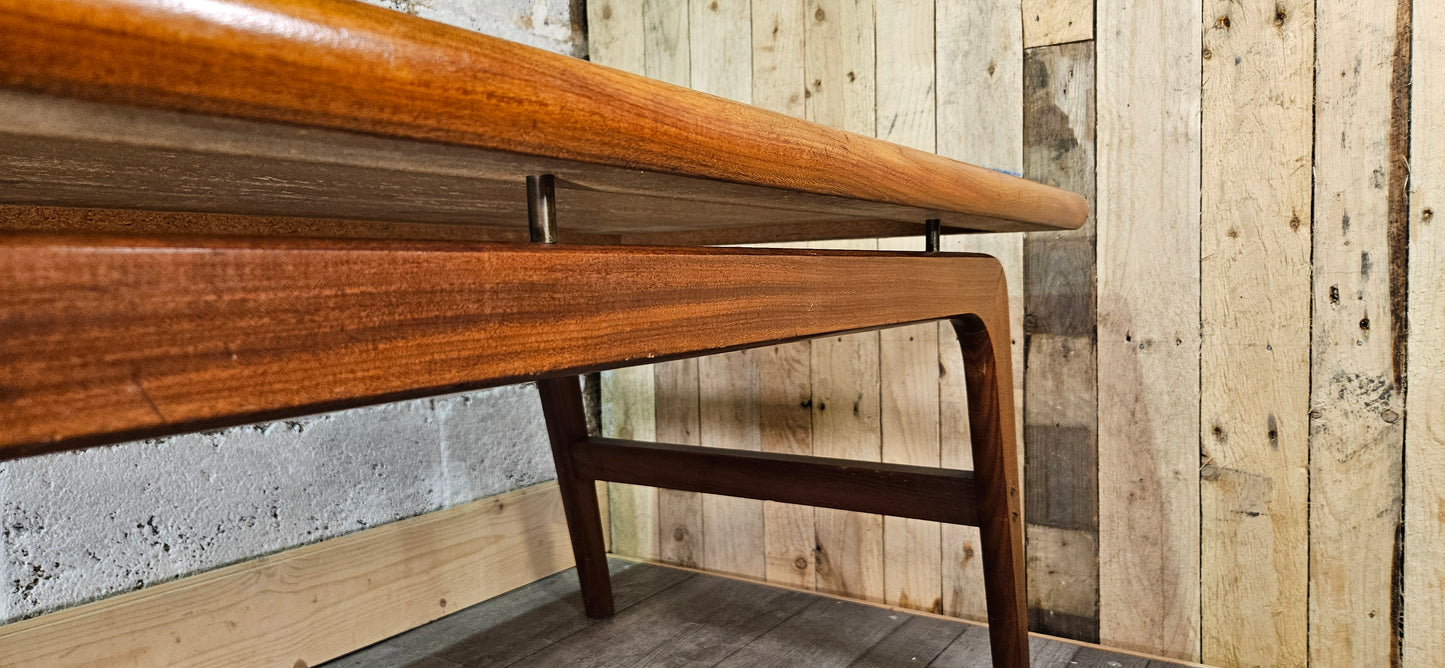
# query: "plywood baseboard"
313 603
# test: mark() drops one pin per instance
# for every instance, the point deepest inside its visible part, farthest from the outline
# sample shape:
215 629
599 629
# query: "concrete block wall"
84 525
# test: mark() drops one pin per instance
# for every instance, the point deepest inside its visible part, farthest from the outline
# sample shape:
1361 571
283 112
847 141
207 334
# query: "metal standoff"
542 208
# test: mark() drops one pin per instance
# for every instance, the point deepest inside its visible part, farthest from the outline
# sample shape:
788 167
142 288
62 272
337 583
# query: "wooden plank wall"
1224 460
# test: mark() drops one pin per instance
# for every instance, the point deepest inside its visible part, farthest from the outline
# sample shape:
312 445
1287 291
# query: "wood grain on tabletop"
299 62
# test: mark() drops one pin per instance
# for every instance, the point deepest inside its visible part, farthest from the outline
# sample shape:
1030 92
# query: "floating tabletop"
288 113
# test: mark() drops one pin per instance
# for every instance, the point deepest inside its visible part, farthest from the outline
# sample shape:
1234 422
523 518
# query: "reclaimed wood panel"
1049 22
1356 426
1061 402
1148 310
667 39
1155 263
839 62
1423 586
1255 311
908 356
729 394
980 89
730 403
615 34
628 411
784 372
678 415
848 547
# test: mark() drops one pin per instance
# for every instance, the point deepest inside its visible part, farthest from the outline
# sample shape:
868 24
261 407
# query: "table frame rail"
112 337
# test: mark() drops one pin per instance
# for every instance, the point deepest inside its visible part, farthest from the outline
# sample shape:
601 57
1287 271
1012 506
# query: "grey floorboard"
968 650
670 617
971 650
1092 657
915 642
828 632
501 630
696 623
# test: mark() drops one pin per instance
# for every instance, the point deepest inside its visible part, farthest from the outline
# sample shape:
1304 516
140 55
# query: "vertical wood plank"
1148 71
785 378
1254 366
784 373
839 62
678 528
616 39
908 358
628 412
666 35
722 48
979 74
730 417
614 34
721 64
679 514
1061 404
1424 581
1048 22
839 59
1356 429
849 547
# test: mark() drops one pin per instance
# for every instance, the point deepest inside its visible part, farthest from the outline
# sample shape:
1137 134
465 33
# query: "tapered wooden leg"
989 377
566 426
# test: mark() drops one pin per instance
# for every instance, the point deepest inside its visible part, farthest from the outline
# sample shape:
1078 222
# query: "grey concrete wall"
83 525
547 24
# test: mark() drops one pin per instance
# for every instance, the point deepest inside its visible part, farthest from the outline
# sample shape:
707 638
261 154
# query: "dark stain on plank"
1397 233
1060 495
1397 238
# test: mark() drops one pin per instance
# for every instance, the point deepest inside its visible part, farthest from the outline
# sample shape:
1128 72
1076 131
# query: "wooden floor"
670 617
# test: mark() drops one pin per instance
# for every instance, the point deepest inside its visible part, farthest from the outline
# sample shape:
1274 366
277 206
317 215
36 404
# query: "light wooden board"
1356 426
667 50
1148 310
729 389
980 115
839 66
614 34
730 416
784 372
680 536
1061 403
1255 312
616 39
1424 540
908 356
667 39
785 378
1049 22
846 423
310 604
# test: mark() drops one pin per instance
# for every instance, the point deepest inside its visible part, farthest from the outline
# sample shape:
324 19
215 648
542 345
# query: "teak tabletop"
332 109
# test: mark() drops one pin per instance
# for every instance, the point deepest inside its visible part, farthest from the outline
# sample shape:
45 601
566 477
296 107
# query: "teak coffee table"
237 210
